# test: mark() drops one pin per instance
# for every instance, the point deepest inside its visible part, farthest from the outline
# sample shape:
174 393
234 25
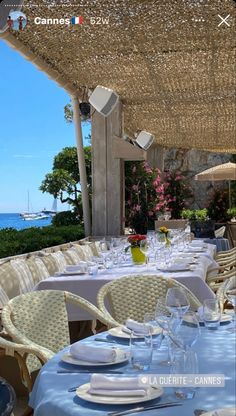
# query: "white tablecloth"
88 286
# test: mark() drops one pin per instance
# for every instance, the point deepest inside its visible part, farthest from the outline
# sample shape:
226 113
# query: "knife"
86 371
105 340
144 409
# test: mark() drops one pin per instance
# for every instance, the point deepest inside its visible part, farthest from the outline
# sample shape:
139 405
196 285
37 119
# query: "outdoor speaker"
6 7
144 140
103 100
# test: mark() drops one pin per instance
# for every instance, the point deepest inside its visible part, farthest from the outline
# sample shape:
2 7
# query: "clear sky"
32 131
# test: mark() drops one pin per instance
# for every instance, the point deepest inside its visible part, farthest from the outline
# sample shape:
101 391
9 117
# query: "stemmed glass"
177 302
165 322
144 247
183 358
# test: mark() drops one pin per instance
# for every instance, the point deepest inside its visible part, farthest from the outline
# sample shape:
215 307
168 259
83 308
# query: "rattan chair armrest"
10 347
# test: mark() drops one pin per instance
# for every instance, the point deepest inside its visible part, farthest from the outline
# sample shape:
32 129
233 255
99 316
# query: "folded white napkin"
197 243
185 260
117 386
137 327
92 354
178 267
81 267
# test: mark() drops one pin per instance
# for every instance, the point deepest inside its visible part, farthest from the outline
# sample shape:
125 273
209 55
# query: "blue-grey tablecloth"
216 354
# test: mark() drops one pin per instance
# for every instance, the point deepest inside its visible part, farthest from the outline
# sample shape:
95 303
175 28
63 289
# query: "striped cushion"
87 251
9 281
38 269
3 298
79 251
60 260
24 275
50 263
68 258
73 255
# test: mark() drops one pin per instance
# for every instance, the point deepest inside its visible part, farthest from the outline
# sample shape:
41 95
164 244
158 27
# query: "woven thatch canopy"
171 64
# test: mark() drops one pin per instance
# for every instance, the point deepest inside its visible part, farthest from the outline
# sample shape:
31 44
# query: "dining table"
215 349
88 286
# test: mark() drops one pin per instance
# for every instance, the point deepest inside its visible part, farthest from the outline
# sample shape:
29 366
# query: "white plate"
119 333
65 273
152 393
224 318
176 269
230 411
121 357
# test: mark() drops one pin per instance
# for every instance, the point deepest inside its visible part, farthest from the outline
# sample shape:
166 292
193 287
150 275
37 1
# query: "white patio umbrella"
226 171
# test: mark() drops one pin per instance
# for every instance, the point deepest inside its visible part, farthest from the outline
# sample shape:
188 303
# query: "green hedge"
13 242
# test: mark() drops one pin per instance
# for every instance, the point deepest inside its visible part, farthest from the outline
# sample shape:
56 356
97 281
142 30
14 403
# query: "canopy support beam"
107 175
82 167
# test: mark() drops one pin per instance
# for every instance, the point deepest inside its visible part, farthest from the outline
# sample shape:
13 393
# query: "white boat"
33 216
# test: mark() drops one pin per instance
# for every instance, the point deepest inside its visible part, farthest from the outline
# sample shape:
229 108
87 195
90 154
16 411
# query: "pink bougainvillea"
149 193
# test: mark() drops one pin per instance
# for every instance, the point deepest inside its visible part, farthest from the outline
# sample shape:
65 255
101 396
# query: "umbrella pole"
229 194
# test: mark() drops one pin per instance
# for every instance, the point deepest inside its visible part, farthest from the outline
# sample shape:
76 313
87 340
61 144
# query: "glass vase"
137 256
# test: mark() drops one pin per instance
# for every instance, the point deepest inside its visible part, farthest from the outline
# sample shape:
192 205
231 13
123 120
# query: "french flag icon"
77 20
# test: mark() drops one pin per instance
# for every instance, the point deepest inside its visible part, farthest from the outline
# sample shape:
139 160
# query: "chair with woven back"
226 254
216 281
133 296
39 320
230 283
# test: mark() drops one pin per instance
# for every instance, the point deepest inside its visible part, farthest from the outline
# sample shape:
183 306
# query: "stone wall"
191 162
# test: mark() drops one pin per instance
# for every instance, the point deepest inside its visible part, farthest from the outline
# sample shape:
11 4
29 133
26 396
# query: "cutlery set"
144 409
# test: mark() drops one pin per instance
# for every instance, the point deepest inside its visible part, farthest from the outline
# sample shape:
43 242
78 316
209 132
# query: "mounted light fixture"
144 140
103 100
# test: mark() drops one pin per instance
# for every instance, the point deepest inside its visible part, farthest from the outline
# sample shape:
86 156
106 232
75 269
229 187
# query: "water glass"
157 336
211 313
184 363
141 350
93 269
108 262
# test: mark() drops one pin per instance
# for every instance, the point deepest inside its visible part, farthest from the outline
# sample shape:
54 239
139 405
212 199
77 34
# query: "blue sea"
15 221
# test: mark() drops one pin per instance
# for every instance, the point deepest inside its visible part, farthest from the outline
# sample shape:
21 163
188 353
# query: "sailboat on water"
32 216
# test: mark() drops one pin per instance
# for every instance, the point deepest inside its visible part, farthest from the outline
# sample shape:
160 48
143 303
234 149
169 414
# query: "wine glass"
177 302
188 332
144 246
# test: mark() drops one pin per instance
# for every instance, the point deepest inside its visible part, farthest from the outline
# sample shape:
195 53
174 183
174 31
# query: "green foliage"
217 208
65 218
64 180
68 114
231 212
14 242
195 214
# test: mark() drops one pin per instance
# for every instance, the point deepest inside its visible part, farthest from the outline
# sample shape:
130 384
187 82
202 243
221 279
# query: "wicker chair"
133 296
226 254
39 320
216 281
220 294
21 352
